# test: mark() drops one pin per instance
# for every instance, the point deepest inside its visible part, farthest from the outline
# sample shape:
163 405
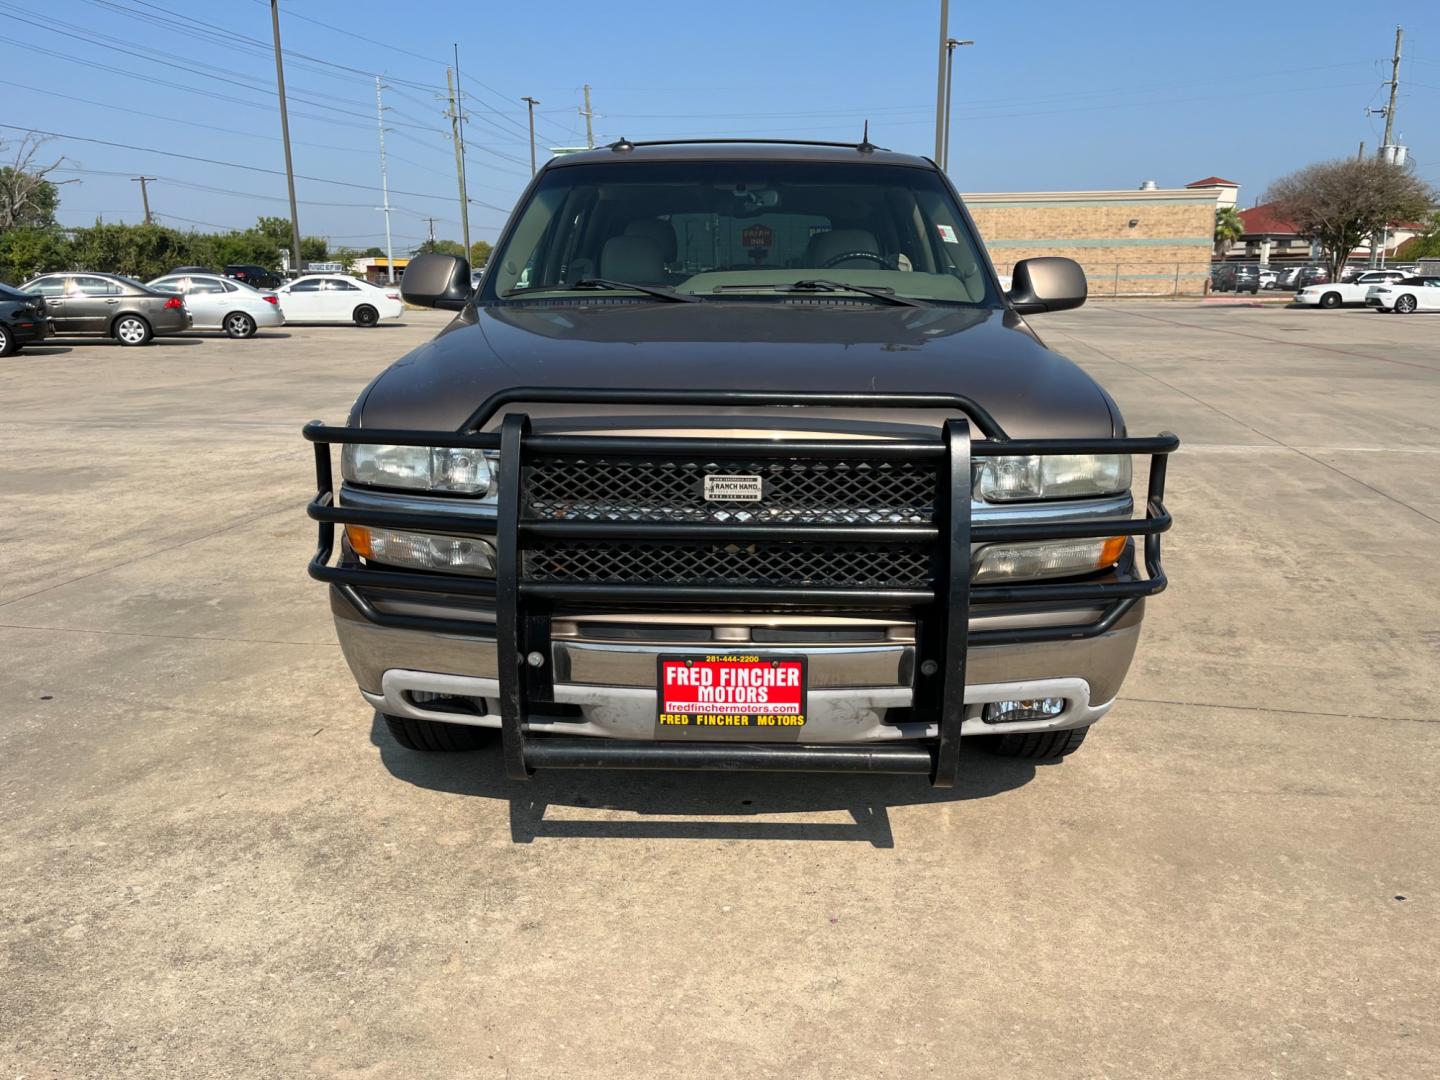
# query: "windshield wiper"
663 292
825 285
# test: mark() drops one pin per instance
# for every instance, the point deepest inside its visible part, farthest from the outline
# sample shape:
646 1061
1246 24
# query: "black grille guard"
941 612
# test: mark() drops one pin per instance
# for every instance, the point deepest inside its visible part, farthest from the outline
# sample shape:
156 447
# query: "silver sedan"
218 303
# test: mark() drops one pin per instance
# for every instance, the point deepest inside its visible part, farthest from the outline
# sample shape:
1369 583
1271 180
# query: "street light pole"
531 103
384 186
950 45
940 81
285 133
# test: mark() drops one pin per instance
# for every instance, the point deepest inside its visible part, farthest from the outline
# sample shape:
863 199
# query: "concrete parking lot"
215 863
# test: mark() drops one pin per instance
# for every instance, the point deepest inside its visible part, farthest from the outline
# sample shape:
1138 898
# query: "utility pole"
432 230
531 103
1361 155
285 133
589 116
464 186
144 195
384 186
940 82
459 164
950 44
1385 143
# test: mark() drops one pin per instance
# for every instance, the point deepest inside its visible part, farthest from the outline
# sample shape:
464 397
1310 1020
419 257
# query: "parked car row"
134 313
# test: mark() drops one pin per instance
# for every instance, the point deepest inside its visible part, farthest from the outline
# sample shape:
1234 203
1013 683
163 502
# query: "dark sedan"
22 320
107 305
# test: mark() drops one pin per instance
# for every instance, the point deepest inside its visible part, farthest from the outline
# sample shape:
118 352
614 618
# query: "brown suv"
738 458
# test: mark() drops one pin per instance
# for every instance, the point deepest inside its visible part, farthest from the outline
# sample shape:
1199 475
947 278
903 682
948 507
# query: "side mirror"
438 281
1047 283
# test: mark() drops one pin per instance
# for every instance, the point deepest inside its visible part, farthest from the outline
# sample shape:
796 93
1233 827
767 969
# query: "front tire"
1034 745
239 325
1406 304
431 736
7 342
1330 300
132 330
367 316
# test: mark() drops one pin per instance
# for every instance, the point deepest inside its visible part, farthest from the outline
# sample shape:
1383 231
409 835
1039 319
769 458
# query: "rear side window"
94 286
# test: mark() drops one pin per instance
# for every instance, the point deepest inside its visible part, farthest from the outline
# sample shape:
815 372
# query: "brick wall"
1165 253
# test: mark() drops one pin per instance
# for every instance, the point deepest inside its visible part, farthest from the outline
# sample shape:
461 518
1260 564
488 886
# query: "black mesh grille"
818 492
895 566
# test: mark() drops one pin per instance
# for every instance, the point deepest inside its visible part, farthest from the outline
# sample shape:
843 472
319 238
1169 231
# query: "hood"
988 355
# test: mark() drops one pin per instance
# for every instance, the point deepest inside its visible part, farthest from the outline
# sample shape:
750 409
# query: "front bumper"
858 693
909 702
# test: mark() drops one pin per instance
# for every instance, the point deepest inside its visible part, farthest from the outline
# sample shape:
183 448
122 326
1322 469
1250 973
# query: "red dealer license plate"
731 690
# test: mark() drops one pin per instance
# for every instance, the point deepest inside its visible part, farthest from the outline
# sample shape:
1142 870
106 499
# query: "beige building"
1150 242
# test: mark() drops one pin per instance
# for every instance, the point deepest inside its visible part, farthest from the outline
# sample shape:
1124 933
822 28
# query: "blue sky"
1053 95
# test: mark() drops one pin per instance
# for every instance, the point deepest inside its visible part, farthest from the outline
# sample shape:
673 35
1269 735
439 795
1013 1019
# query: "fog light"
423 551
1011 712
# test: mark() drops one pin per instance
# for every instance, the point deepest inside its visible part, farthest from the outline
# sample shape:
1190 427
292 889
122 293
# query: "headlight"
428 468
1045 558
1052 476
423 551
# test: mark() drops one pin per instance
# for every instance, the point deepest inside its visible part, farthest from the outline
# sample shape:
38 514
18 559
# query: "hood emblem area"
733 489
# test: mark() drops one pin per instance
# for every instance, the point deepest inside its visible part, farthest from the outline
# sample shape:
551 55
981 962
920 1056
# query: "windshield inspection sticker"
947 233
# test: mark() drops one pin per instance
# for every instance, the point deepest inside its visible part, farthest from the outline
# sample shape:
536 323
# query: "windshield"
738 229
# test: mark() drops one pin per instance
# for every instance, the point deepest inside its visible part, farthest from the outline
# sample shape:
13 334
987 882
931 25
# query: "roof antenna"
622 145
866 146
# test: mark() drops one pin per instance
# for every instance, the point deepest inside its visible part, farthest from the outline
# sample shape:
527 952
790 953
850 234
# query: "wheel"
365 315
1330 300
1405 304
239 325
431 735
1034 744
7 342
133 330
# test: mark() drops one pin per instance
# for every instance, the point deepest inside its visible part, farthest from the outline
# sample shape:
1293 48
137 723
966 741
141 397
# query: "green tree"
1427 244
480 253
442 247
373 253
1340 203
27 252
28 198
1228 229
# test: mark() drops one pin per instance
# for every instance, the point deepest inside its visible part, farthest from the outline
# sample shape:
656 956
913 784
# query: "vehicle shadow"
669 802
220 335
40 350
163 341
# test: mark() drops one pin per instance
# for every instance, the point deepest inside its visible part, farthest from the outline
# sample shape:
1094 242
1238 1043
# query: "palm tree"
1228 228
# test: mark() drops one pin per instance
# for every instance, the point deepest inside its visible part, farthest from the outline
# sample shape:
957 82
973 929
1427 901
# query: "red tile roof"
1212 181
1263 220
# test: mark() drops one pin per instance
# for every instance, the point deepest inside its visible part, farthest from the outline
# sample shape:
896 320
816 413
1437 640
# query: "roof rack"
865 146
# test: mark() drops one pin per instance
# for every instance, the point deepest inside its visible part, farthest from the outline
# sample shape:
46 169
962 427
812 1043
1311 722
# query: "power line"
232 164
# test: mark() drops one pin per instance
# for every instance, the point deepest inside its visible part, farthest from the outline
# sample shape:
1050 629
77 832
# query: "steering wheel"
837 259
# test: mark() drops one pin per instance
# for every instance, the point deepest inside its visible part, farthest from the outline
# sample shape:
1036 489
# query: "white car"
1347 292
217 303
334 298
1410 294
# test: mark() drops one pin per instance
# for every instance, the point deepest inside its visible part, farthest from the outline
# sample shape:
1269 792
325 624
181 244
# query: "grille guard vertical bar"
508 620
953 495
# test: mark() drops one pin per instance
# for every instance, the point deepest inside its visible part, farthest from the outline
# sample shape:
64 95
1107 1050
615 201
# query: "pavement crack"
167 637
1282 712
289 506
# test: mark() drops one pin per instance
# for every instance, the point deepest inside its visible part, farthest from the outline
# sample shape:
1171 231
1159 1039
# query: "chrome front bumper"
611 686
